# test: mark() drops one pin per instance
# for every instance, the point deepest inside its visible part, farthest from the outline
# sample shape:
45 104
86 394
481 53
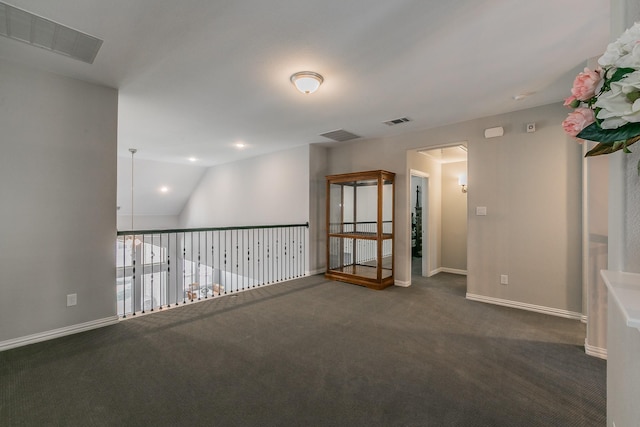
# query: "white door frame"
426 232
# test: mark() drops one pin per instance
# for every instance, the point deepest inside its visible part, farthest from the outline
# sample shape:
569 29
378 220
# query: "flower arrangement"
606 100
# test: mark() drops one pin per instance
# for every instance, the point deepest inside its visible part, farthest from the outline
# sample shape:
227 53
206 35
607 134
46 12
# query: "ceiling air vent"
397 121
340 135
26 27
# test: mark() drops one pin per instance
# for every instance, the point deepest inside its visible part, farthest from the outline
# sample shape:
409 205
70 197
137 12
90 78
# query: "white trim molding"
402 284
453 271
595 351
447 270
57 333
524 306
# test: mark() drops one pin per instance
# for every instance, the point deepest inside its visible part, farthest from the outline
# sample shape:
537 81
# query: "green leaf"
594 132
599 150
608 148
620 74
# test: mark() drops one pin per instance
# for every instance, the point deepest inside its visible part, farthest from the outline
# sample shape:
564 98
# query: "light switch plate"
481 210
72 299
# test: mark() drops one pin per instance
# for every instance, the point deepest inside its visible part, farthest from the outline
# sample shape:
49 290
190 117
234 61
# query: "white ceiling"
196 76
448 154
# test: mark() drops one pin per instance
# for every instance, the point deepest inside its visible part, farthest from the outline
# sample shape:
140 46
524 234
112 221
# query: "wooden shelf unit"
360 218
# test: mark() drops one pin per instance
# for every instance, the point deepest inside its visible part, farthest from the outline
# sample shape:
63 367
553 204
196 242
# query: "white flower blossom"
616 53
630 60
616 109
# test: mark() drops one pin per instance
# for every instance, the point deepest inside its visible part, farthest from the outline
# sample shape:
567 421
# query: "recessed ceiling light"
193 159
239 145
523 95
164 189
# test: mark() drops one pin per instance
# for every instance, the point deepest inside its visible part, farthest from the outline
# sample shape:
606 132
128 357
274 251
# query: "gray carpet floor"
314 353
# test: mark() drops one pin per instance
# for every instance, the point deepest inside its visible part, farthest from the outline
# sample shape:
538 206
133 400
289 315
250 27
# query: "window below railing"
157 269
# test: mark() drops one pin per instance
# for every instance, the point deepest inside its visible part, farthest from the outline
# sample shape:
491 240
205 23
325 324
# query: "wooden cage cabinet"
360 217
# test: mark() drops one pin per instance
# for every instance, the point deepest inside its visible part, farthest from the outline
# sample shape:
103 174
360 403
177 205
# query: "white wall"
58 192
265 190
154 209
148 222
530 184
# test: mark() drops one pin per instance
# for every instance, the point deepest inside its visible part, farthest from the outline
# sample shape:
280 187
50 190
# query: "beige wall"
58 210
595 220
454 218
531 186
317 208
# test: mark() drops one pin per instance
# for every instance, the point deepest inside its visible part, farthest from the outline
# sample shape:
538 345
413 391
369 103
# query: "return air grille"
340 135
26 27
397 121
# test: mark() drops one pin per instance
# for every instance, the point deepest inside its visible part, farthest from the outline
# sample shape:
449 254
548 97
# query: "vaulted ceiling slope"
195 77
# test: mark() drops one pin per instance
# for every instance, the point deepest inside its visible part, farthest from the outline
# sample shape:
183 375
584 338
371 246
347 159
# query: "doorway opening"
438 210
419 223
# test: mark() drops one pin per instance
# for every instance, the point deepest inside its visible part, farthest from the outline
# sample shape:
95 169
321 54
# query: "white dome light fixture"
306 81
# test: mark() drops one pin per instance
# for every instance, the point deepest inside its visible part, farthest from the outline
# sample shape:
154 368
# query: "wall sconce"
462 182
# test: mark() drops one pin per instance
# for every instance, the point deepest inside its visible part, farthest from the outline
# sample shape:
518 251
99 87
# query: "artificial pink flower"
569 101
578 120
584 86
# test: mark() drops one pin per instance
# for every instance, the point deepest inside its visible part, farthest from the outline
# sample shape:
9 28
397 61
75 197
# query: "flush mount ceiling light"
306 81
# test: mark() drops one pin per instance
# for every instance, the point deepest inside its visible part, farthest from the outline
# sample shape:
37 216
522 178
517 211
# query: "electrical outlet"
504 279
72 299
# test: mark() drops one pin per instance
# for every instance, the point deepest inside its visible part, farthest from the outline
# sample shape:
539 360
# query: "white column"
624 183
623 342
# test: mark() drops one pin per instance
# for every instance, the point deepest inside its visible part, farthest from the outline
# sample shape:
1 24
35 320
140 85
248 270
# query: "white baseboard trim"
524 306
402 284
57 333
434 272
447 270
595 351
452 271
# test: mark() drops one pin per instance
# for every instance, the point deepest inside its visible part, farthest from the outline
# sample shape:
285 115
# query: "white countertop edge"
625 289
